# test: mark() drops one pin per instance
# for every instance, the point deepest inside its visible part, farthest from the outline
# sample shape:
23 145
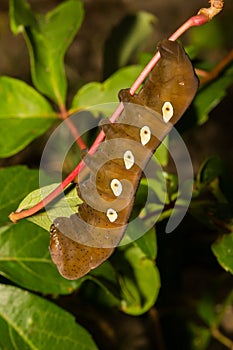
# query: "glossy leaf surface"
30 322
48 38
24 115
25 260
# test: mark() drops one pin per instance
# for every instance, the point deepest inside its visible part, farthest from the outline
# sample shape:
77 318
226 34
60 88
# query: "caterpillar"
86 239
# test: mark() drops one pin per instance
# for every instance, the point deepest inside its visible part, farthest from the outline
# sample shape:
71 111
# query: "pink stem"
73 130
197 20
76 135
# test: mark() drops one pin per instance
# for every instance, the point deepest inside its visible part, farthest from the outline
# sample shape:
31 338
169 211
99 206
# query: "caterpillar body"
86 239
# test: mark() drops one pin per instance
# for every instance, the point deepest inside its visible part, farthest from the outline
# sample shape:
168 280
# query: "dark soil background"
84 63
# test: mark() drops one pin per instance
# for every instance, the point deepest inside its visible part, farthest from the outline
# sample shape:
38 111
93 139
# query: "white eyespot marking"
116 187
145 135
128 159
111 215
167 111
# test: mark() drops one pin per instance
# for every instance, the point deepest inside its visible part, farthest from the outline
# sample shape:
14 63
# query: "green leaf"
202 37
147 244
127 40
25 260
206 309
20 16
210 169
210 95
48 38
105 277
139 281
140 31
96 94
129 280
64 205
16 182
24 115
161 153
223 250
30 322
201 337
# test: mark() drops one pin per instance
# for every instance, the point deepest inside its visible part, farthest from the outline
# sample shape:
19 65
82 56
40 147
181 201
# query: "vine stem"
216 333
209 76
203 16
15 216
65 116
222 338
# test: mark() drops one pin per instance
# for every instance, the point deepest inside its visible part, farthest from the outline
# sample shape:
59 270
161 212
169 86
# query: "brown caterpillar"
86 239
